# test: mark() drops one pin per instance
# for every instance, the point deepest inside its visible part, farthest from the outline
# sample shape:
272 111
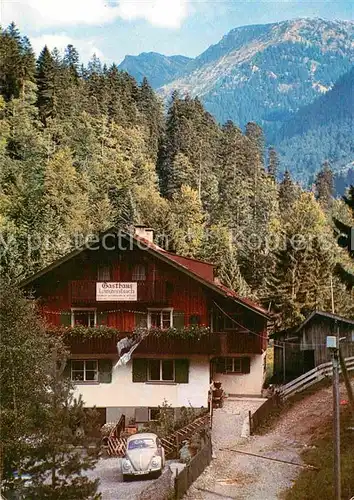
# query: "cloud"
85 47
38 14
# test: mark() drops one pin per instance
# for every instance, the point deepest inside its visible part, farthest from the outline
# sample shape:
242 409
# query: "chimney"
147 233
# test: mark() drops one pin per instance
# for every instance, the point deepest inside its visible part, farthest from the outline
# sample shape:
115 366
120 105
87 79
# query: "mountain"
265 73
157 68
323 130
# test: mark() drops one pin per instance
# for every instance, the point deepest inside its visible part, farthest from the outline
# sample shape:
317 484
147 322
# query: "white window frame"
83 309
161 310
84 379
233 365
161 379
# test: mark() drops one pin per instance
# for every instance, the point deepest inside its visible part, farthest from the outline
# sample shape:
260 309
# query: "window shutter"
182 371
102 318
65 318
246 365
178 320
105 371
220 365
139 370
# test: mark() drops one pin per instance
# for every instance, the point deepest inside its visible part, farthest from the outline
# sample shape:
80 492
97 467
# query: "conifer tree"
346 240
273 163
325 186
39 416
288 193
255 133
186 223
46 84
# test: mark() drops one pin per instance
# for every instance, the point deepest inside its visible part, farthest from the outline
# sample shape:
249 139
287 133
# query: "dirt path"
235 476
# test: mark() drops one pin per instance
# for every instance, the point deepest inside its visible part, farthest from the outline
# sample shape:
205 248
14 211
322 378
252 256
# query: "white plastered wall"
123 392
248 384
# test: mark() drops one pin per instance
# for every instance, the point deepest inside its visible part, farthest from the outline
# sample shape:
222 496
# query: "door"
309 360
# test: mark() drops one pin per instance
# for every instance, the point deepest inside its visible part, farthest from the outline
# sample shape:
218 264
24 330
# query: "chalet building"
298 350
125 283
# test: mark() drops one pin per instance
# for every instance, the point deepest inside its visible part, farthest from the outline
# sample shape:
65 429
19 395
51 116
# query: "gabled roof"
198 270
296 330
324 314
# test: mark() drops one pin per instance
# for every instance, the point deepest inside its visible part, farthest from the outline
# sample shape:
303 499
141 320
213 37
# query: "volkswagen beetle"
144 456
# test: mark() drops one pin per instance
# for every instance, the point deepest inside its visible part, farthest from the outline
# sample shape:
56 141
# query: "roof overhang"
156 252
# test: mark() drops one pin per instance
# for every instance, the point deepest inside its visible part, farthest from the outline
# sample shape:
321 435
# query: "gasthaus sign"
116 291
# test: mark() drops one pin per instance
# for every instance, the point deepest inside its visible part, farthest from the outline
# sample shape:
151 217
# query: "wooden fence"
310 378
115 446
261 414
193 470
301 383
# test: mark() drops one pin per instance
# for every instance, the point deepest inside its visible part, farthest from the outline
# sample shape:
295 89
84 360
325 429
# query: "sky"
114 28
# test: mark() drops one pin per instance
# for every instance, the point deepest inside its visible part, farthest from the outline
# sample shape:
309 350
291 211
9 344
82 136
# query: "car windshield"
138 444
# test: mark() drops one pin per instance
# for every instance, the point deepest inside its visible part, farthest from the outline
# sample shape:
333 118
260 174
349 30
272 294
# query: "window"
84 370
139 273
160 318
154 414
140 444
232 365
83 317
104 273
161 370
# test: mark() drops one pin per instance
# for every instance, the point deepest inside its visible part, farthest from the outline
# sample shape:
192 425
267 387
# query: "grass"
272 419
312 485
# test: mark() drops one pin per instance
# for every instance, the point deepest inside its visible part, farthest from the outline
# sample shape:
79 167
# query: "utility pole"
333 345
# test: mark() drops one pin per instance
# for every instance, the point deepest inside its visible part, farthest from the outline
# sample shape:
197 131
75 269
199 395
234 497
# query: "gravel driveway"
108 470
244 477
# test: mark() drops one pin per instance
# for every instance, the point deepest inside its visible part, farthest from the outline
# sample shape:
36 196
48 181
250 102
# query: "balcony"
84 292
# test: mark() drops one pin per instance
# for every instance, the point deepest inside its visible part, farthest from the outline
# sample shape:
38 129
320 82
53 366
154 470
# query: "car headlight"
126 464
156 462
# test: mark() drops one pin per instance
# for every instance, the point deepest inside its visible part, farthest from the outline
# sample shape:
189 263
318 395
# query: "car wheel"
126 478
156 475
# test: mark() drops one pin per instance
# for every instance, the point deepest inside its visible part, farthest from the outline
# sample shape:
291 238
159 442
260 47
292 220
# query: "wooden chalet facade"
124 282
298 350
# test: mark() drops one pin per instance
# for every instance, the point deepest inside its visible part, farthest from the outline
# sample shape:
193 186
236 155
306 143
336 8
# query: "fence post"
250 422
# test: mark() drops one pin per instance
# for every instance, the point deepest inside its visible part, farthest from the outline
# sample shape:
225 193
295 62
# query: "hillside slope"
264 73
157 68
323 130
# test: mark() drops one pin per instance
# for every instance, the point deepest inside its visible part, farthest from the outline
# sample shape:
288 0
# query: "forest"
85 147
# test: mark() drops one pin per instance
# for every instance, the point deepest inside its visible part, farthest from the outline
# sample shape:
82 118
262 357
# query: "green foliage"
85 148
39 415
320 455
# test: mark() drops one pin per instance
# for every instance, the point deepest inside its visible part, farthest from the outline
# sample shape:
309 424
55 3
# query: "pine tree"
17 62
255 133
64 449
46 84
346 240
186 223
38 413
325 186
273 163
305 260
151 110
288 193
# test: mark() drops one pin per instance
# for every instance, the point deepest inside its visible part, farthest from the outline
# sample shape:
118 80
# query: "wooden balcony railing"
84 291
